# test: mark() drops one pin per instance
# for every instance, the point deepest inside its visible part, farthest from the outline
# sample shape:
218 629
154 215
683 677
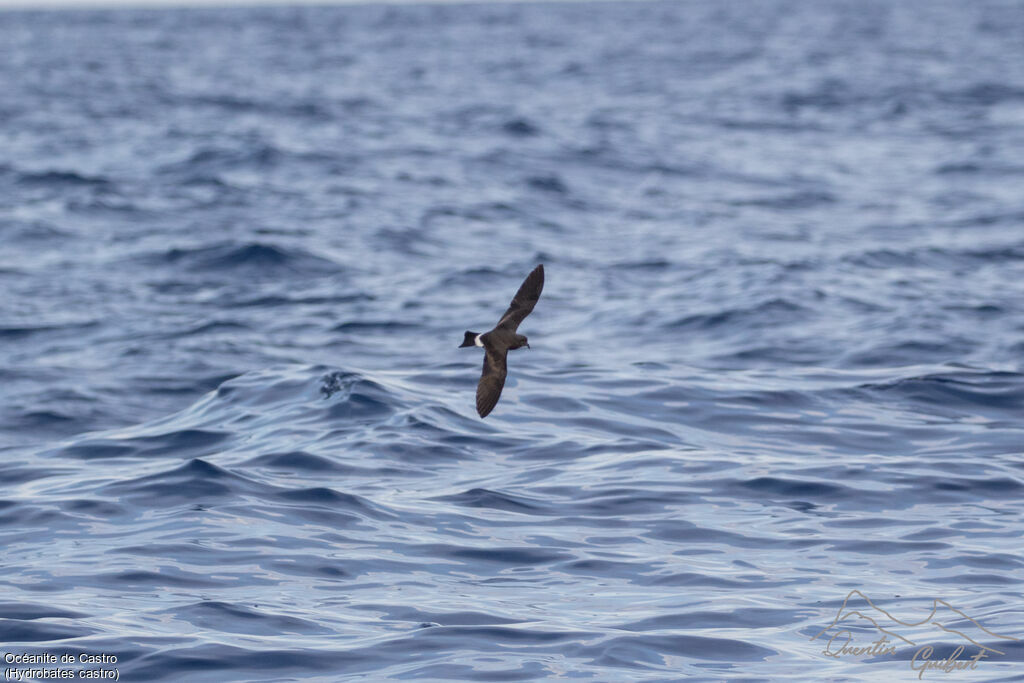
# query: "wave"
941 258
63 179
18 332
258 257
767 313
965 389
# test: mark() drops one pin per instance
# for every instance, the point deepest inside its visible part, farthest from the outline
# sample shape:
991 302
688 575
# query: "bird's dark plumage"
524 300
503 338
492 381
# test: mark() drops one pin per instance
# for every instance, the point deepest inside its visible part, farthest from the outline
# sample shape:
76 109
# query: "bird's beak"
527 344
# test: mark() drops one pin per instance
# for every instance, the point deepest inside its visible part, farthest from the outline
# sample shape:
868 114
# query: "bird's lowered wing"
524 300
488 391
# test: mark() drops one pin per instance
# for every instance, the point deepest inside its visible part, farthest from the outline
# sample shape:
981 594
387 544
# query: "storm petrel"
499 341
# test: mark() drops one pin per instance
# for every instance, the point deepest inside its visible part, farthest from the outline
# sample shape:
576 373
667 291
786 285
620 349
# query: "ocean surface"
778 356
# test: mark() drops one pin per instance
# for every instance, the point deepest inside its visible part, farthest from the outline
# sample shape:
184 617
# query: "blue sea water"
777 358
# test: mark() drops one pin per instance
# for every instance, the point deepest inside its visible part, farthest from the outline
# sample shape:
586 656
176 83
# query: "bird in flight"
503 338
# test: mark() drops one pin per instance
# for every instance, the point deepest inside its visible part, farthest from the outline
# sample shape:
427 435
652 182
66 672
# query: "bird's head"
522 341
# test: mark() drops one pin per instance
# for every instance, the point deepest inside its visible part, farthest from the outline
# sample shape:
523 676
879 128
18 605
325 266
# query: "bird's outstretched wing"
488 391
524 300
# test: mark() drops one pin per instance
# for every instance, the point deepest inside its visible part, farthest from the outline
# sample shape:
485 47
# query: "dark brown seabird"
502 339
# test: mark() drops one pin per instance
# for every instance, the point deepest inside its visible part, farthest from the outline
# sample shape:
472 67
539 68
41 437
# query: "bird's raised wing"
488 391
524 300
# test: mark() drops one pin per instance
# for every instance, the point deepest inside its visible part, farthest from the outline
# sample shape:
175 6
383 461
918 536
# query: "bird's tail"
469 340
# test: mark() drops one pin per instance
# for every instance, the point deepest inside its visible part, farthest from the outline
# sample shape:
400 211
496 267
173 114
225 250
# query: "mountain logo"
859 613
